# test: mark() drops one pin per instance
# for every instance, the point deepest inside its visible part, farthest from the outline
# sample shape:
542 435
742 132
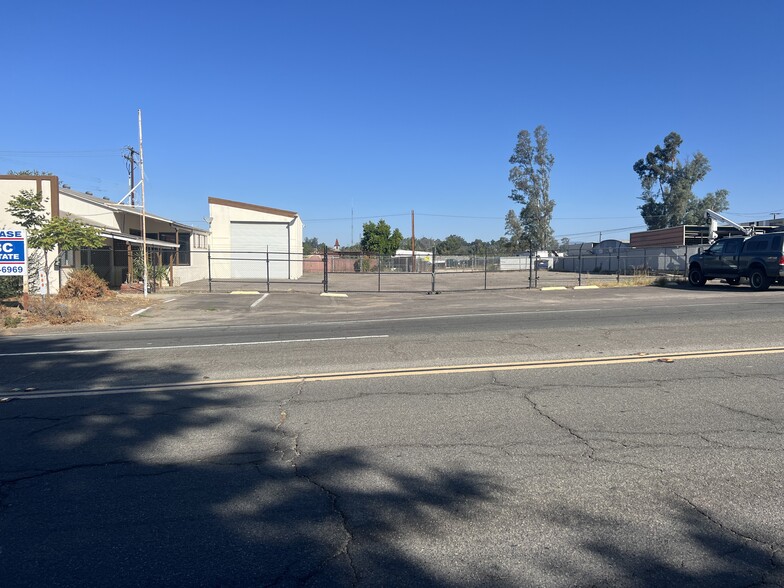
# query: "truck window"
775 242
732 247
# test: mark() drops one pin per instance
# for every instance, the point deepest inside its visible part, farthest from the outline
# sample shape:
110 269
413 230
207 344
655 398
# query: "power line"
66 153
380 216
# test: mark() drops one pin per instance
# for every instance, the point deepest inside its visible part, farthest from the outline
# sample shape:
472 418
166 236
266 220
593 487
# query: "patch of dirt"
113 311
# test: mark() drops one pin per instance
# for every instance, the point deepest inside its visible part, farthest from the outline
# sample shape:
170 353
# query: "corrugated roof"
125 208
139 240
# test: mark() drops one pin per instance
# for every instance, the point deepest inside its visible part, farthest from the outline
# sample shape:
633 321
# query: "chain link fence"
356 271
264 271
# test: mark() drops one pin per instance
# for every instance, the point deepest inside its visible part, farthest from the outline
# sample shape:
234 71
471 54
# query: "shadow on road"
210 487
691 549
202 487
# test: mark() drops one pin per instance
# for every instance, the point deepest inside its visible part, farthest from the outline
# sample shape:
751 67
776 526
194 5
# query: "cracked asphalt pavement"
637 474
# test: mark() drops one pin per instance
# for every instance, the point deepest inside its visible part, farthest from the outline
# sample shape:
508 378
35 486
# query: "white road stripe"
157 348
455 316
259 301
140 311
169 300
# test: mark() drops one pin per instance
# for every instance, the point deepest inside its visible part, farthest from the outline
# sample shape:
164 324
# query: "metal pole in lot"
619 265
485 269
268 279
433 273
209 271
536 271
326 273
580 265
530 268
378 264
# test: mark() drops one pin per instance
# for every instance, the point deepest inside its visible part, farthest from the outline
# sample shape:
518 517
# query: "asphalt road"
589 438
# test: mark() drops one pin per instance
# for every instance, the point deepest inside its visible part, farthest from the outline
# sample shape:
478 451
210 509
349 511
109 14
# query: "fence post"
268 281
619 265
326 272
536 270
209 271
485 269
530 267
580 265
433 273
379 272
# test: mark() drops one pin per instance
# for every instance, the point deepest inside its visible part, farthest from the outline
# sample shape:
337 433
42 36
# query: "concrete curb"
332 295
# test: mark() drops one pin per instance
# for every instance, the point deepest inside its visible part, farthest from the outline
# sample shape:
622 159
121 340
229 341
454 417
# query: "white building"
254 242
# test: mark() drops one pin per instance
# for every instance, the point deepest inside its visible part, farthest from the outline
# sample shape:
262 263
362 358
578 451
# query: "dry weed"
114 310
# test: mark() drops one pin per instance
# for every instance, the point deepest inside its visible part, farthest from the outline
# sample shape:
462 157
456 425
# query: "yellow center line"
400 372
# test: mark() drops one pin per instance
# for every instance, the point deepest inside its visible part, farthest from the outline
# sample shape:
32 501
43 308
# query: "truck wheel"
758 280
733 281
696 277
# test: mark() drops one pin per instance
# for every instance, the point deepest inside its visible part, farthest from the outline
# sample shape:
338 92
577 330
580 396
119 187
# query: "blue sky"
324 107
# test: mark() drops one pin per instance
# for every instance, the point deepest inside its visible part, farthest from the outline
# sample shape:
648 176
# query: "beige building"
251 242
180 248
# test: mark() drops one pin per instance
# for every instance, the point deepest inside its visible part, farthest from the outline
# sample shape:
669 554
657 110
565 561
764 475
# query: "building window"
120 249
67 259
184 254
199 241
168 256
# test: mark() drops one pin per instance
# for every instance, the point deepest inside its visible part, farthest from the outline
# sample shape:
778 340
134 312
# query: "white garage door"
249 243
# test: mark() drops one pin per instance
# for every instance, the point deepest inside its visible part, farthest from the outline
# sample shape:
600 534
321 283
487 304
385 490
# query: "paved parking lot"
416 282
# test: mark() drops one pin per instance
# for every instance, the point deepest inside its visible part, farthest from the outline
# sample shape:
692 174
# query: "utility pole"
131 165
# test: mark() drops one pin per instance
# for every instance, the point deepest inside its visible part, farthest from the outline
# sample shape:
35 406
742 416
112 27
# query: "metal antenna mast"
144 214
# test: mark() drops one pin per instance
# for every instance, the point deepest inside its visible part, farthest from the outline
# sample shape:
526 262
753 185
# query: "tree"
668 187
312 245
379 238
513 230
453 245
422 243
29 172
530 178
63 233
28 209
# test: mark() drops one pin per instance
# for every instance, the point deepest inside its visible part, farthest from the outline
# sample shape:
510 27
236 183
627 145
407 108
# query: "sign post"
13 256
42 284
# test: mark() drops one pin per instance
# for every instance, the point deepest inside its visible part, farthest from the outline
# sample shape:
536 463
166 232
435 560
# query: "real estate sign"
13 252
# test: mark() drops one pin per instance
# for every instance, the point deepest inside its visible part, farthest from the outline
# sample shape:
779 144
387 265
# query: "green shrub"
156 274
12 321
10 287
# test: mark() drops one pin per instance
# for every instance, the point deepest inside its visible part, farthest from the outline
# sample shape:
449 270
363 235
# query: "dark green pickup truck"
759 258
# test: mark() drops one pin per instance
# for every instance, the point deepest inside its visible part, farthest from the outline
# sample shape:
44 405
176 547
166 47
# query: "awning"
136 239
